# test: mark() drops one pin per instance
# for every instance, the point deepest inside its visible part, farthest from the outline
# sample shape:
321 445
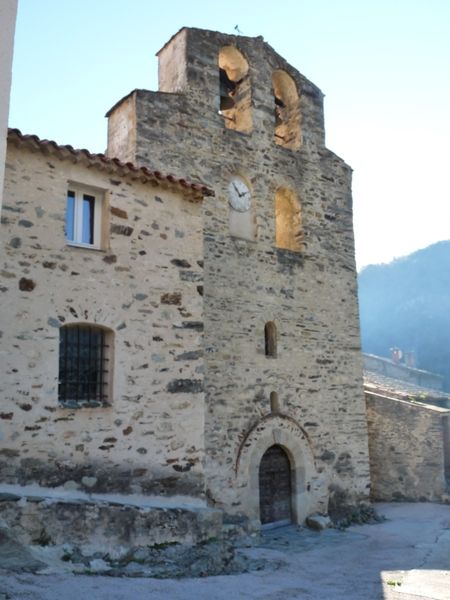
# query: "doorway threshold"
276 524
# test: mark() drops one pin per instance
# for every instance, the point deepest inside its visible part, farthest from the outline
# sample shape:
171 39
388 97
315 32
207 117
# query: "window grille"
83 373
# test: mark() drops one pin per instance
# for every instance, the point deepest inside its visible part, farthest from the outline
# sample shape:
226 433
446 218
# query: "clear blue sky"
384 66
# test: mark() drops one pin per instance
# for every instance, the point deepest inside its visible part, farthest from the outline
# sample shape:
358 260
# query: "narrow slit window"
270 339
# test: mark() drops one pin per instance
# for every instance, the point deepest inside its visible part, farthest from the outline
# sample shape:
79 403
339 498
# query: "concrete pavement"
406 557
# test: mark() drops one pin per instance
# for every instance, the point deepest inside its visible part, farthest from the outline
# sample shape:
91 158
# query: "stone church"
179 321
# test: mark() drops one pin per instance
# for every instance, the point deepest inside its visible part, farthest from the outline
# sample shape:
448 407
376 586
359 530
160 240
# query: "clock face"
239 195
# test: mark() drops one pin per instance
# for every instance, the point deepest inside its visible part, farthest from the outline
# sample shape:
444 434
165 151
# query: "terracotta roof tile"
108 163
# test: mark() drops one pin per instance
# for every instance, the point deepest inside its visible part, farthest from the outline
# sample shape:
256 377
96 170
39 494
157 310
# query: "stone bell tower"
285 433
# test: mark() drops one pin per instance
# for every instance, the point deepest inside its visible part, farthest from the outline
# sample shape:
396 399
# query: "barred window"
84 357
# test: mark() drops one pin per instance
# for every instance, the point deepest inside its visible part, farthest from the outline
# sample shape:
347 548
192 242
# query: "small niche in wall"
274 403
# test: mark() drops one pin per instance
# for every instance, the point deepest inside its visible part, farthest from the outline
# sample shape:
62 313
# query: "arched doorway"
275 487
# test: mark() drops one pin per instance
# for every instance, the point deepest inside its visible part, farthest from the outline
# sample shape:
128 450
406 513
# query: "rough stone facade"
409 448
310 294
143 286
191 291
105 527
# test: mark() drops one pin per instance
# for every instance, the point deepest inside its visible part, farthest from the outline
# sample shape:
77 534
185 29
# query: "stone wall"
104 527
144 285
386 367
310 295
408 449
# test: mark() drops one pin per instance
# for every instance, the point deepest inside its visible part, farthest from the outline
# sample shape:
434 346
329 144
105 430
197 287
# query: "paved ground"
404 558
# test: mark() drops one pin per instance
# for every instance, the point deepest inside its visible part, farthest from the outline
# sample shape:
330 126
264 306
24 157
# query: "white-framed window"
83 217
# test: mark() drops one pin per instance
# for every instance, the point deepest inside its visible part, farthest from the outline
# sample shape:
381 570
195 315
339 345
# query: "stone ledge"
103 526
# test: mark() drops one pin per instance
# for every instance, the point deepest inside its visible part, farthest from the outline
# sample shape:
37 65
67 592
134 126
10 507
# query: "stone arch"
235 90
287 110
283 431
288 220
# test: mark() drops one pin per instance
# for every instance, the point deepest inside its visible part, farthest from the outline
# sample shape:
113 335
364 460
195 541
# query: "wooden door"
275 486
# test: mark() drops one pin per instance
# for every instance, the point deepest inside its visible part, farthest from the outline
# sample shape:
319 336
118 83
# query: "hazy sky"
384 66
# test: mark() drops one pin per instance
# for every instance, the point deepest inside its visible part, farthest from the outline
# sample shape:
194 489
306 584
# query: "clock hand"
237 191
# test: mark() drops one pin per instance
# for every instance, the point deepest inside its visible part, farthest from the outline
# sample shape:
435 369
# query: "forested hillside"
406 303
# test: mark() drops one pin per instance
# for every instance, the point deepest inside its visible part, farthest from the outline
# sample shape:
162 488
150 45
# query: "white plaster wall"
8 11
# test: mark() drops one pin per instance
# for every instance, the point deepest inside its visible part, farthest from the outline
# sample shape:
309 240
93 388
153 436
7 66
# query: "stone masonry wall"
408 449
145 285
311 295
102 527
378 364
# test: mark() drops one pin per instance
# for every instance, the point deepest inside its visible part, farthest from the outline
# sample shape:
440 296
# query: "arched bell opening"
235 90
288 221
287 110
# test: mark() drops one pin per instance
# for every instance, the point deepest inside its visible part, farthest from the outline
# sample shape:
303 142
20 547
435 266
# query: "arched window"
288 221
287 110
84 365
274 403
235 91
270 338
